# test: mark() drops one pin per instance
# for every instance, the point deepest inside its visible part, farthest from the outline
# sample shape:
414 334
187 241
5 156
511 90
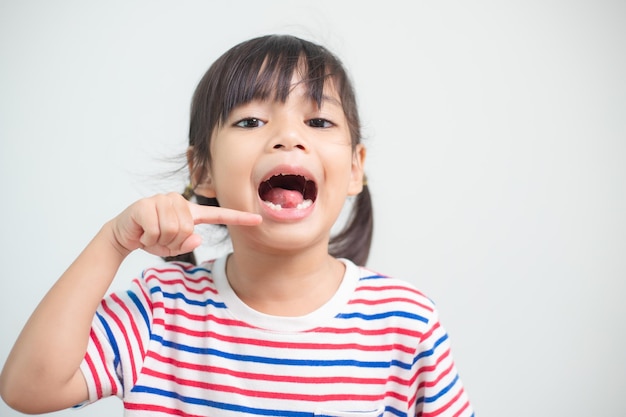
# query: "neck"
284 284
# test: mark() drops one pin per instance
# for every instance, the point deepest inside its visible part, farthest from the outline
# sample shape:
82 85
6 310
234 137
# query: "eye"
250 122
319 122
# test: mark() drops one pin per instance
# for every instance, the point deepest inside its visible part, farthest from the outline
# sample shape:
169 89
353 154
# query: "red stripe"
266 377
173 282
398 380
159 409
261 394
432 383
429 333
446 406
396 395
146 297
334 330
282 345
460 412
391 300
368 332
379 288
122 329
178 267
180 271
92 369
200 317
430 368
133 325
112 381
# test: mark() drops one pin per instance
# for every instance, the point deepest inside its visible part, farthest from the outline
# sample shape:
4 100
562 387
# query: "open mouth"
288 191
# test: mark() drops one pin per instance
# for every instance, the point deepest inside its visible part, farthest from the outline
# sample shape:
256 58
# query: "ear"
201 180
358 173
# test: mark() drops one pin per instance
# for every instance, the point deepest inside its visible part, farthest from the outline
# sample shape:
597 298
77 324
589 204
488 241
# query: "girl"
285 325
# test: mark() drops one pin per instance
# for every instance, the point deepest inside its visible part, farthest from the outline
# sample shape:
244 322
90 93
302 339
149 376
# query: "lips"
288 190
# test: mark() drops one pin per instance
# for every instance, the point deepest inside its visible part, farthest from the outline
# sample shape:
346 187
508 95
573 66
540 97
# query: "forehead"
264 69
328 94
278 82
298 97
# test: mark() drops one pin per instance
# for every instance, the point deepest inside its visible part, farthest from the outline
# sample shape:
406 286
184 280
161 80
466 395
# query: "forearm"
45 359
42 371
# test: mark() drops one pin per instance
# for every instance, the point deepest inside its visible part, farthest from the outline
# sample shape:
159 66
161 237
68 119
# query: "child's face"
291 162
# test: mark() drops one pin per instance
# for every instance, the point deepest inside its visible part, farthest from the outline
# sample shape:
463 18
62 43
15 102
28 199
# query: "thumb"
190 243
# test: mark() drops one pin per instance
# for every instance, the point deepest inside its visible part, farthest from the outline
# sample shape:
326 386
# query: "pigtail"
355 240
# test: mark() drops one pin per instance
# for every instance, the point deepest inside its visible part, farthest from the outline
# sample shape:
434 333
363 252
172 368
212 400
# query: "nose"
288 147
288 135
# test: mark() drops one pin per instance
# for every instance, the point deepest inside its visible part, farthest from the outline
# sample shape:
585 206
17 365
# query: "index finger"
221 215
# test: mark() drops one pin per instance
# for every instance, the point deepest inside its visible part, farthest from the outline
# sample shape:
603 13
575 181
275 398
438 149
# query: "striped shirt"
181 343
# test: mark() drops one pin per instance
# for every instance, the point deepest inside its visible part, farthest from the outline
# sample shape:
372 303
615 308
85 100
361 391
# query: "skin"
282 267
36 380
279 266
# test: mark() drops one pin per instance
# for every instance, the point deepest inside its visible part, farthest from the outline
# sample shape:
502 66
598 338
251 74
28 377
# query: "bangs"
264 70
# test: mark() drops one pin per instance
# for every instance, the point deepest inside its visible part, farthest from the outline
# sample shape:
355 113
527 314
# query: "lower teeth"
278 207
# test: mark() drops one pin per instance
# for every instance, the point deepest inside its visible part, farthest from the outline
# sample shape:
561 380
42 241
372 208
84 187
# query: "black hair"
262 68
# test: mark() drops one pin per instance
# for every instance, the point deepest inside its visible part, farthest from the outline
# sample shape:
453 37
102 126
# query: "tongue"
284 198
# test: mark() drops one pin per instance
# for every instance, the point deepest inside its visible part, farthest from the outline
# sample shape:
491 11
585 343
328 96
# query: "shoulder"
393 297
378 285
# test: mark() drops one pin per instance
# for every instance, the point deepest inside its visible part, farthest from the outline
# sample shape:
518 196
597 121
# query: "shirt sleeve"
439 390
119 336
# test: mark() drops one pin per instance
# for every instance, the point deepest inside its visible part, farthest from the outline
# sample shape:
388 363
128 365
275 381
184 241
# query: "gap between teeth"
278 207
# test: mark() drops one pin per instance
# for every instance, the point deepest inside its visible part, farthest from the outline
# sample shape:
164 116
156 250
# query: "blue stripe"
429 352
395 411
279 361
111 337
438 395
384 315
372 277
178 295
219 405
140 307
197 269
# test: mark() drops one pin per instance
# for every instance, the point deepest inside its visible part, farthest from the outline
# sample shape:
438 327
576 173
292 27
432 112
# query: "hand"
163 225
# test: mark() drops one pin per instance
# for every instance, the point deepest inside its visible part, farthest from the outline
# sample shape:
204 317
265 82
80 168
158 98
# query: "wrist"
108 233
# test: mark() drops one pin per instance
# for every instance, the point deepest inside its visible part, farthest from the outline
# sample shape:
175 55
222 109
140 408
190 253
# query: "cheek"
226 156
231 170
339 162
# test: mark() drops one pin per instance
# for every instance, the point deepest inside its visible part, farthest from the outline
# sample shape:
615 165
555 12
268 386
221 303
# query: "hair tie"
188 193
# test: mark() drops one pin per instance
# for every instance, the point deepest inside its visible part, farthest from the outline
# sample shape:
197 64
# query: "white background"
497 143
